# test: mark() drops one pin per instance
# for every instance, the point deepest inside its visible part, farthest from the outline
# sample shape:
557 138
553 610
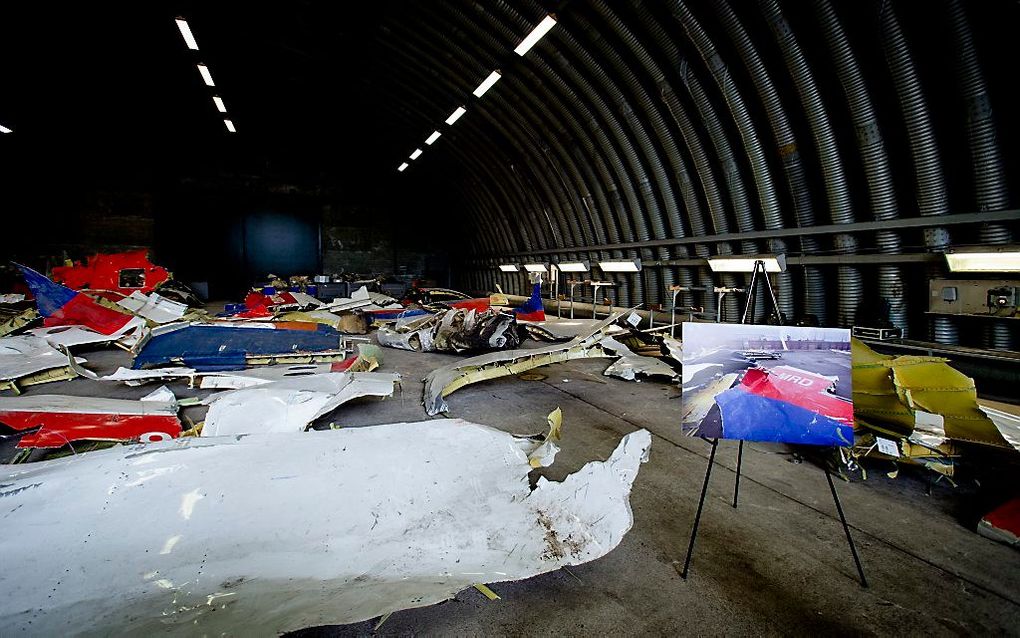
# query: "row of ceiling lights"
203 70
532 38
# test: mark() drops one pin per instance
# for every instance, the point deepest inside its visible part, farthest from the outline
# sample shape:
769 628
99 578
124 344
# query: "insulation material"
443 381
268 534
153 307
59 420
292 404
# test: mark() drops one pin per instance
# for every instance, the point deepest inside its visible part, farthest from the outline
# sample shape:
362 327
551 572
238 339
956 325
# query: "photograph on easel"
780 384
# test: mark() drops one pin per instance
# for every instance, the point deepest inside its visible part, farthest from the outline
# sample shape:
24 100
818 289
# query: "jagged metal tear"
265 534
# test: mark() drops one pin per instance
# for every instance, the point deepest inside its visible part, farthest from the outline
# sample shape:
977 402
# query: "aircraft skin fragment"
290 405
265 534
24 355
225 346
64 419
61 306
154 307
105 272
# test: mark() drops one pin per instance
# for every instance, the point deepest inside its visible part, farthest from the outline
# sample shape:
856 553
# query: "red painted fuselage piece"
799 387
56 429
123 273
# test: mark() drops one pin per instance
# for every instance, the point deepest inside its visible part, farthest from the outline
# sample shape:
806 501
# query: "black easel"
759 266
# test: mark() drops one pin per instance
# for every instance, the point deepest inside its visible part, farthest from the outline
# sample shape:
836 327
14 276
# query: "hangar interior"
272 210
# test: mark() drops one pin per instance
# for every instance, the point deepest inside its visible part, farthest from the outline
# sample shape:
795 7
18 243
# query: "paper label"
634 319
887 446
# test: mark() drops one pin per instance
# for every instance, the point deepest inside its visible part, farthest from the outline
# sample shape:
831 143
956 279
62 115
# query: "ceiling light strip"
487 84
189 39
536 34
526 44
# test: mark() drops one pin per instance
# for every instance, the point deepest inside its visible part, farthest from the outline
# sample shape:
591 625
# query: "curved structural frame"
634 129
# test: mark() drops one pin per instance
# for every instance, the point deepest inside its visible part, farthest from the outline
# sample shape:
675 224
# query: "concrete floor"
777 565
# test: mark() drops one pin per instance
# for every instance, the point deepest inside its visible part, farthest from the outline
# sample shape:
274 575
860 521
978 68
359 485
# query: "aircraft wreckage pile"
273 366
360 543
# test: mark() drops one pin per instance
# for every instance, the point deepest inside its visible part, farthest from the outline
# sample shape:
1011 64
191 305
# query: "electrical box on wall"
973 296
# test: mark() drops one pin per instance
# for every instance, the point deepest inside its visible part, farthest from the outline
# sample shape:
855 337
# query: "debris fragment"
443 381
155 308
629 365
453 330
378 519
59 420
292 404
922 403
61 306
220 346
121 273
1003 523
485 591
29 360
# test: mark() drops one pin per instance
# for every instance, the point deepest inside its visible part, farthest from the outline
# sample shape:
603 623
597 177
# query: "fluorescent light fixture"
508 267
416 154
4 129
535 267
536 34
985 260
220 106
230 126
204 70
616 265
403 167
432 138
487 83
182 24
573 266
456 115
745 263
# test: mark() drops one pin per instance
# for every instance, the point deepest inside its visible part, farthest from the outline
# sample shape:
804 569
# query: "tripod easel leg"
736 484
846 529
701 505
